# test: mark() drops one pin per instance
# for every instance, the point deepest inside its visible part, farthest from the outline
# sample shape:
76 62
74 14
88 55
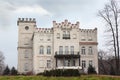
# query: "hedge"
62 72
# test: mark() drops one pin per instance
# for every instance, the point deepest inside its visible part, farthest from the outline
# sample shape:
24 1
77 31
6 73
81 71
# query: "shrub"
62 72
91 70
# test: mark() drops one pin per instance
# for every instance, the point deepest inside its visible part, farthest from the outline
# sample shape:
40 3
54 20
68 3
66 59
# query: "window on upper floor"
83 50
74 36
83 64
41 37
82 38
26 54
90 38
66 50
90 50
26 28
58 35
60 49
66 34
49 38
48 49
41 50
72 49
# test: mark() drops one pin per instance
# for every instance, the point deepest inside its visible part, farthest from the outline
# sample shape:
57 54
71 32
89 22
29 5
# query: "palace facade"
64 45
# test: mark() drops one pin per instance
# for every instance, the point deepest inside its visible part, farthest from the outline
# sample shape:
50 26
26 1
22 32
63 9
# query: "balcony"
68 54
69 67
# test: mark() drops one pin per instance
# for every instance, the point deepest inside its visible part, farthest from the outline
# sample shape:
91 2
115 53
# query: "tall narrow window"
83 50
60 49
48 63
72 49
66 50
73 62
68 34
83 63
64 34
41 50
26 54
48 50
90 50
26 67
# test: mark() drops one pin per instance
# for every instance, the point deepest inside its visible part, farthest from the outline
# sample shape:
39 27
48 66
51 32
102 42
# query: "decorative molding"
25 47
88 43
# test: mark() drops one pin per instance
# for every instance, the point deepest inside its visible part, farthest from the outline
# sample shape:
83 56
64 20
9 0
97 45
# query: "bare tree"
111 15
1 63
103 62
106 63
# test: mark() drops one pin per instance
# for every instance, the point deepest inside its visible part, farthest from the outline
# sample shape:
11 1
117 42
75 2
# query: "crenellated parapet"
88 30
43 30
65 24
26 20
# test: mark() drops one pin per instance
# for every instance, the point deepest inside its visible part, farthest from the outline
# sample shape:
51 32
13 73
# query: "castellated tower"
26 27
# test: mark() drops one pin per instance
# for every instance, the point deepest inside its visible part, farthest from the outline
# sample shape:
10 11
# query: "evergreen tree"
6 71
112 72
13 71
91 70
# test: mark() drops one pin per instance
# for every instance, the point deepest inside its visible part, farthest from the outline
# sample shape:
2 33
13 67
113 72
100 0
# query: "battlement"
88 30
43 30
26 20
65 24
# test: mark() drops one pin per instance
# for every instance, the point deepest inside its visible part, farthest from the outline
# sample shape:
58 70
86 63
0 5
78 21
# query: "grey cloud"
82 10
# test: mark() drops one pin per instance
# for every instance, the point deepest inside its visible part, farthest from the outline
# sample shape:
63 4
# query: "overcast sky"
45 11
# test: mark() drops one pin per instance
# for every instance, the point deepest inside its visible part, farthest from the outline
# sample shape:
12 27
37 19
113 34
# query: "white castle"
64 45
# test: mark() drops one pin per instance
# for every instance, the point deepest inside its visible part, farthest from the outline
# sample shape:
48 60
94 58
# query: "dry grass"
82 77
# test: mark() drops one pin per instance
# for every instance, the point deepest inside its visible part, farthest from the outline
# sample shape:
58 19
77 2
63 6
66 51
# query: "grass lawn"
83 77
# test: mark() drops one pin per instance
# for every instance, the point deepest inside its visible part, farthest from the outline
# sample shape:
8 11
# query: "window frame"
71 49
26 67
48 49
48 64
83 50
41 50
26 54
60 49
83 63
90 50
